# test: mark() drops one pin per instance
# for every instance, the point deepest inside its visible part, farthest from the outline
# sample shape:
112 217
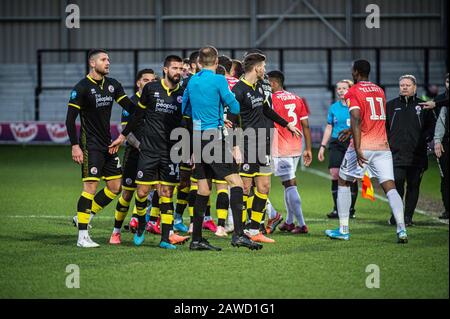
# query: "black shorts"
215 170
130 162
257 168
337 152
155 169
100 165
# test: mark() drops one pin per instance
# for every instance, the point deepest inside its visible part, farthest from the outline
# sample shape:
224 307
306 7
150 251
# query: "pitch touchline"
382 198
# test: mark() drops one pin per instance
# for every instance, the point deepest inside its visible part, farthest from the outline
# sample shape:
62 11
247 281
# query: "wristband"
324 146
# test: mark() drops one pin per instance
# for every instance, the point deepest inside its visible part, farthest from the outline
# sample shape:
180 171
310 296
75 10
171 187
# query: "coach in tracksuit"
409 127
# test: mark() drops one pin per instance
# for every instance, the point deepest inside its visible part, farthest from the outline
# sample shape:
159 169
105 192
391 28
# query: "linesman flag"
367 188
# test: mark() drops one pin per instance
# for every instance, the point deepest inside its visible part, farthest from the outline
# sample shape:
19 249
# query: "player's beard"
174 79
102 72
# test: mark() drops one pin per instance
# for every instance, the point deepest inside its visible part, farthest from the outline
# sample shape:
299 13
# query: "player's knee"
166 192
127 195
334 172
90 187
264 188
141 192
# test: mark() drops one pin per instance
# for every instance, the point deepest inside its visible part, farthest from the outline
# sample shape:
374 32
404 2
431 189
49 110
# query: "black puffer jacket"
409 128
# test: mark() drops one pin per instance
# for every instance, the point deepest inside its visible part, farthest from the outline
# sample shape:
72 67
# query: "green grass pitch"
39 190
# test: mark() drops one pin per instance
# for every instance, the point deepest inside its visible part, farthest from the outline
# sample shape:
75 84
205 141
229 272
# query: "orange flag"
367 188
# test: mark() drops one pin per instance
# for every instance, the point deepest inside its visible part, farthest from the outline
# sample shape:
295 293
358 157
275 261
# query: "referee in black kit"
92 98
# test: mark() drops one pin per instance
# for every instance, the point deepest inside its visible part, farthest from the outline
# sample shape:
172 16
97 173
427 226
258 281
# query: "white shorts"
285 167
379 165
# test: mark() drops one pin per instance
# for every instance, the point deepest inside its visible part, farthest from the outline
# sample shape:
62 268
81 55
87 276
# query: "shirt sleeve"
119 93
226 96
439 131
352 101
330 116
76 99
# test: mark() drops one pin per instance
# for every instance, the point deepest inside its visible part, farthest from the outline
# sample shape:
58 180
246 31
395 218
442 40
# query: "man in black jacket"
409 128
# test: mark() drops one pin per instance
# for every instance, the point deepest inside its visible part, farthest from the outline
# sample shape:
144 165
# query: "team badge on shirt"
111 88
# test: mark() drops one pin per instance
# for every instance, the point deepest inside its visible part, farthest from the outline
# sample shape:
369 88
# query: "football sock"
182 201
222 204
141 205
289 211
236 204
121 212
244 208
208 211
191 201
84 210
344 201
166 207
396 203
258 208
201 202
295 203
101 199
155 210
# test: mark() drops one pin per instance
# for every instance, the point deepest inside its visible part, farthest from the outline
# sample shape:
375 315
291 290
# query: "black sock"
166 207
182 200
84 210
258 209
199 212
237 204
155 210
222 204
191 202
334 192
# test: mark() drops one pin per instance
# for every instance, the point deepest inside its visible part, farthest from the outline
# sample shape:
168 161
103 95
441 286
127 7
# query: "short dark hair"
208 56
172 58
193 57
252 60
278 76
220 70
238 69
362 67
186 61
142 72
225 62
251 51
93 52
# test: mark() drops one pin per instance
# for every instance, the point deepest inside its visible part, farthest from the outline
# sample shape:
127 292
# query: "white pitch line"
382 198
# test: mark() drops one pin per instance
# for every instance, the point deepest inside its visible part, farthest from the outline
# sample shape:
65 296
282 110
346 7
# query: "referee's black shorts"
216 170
337 151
